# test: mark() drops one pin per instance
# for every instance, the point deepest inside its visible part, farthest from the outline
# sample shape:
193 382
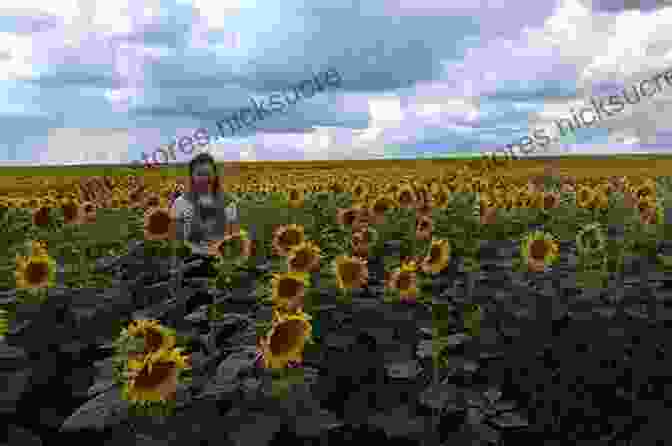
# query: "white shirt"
184 212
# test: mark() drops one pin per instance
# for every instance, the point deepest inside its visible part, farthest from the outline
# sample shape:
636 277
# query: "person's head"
203 174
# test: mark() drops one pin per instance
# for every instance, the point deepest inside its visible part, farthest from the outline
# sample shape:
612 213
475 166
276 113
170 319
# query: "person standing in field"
204 213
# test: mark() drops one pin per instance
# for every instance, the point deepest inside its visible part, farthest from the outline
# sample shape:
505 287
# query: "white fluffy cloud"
18 50
77 146
621 49
216 12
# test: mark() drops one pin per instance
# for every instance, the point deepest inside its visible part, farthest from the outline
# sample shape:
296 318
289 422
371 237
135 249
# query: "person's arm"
182 214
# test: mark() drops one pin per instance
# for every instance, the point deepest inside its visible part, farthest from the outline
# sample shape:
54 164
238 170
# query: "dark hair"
205 158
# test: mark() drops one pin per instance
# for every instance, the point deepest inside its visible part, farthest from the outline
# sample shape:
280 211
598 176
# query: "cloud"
86 146
167 66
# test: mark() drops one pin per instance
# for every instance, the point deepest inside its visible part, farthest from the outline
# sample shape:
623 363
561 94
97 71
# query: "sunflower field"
325 236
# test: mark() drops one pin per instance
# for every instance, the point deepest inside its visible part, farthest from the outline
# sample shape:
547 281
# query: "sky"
93 81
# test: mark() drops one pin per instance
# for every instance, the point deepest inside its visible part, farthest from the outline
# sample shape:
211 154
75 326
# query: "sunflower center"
70 211
404 280
350 271
159 222
290 238
153 340
381 206
293 195
405 197
538 249
549 201
42 217
288 288
161 371
37 271
434 253
89 208
286 336
301 259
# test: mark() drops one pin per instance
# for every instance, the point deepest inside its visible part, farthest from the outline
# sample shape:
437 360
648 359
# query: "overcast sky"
89 81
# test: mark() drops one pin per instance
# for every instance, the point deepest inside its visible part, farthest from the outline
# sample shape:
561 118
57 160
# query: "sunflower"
351 272
535 184
348 216
585 196
159 225
482 184
650 212
94 189
601 200
434 185
179 188
359 191
285 237
111 181
409 263
152 200
380 206
551 200
304 257
499 197
424 207
422 193
364 217
336 187
437 258
42 217
72 211
361 241
392 189
463 186
155 336
646 190
295 197
36 248
487 212
423 228
285 341
406 196
231 246
539 250
645 203
289 290
404 281
630 200
36 271
154 380
89 212
440 196
136 197
616 184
